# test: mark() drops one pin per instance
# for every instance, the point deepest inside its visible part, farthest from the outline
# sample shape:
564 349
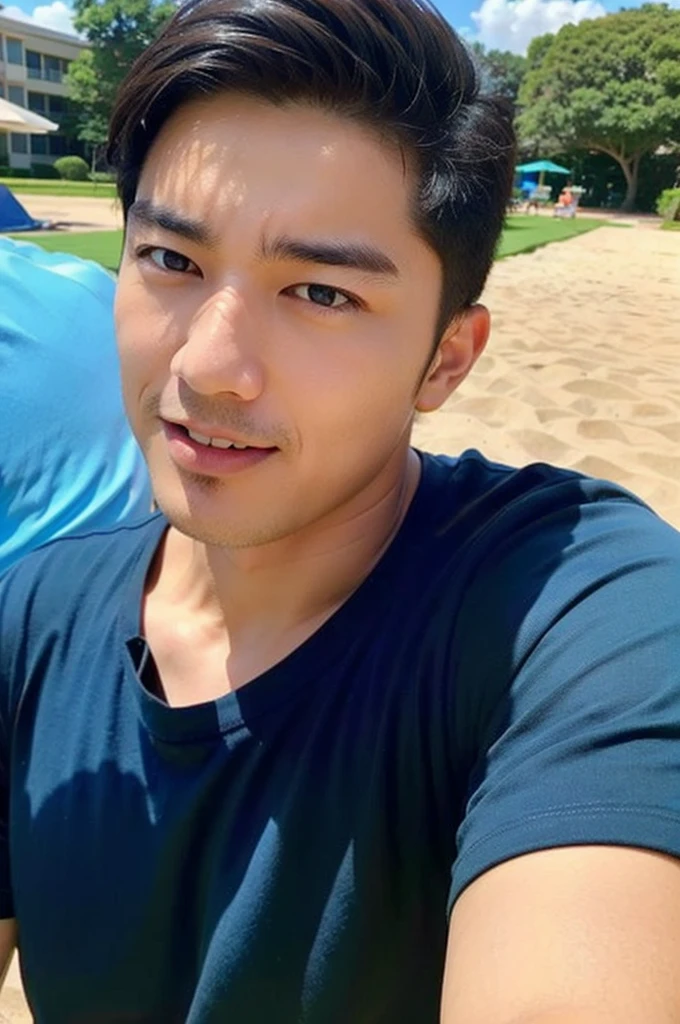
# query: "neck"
293 583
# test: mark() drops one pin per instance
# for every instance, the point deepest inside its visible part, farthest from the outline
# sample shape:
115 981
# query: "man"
68 461
345 733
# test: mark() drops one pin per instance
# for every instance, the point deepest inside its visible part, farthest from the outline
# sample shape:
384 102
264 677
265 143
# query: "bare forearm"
8 941
576 1016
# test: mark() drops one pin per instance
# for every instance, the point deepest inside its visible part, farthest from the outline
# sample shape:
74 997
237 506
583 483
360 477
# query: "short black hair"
394 65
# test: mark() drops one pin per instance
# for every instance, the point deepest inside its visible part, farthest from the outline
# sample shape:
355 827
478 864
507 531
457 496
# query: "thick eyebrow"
145 212
355 255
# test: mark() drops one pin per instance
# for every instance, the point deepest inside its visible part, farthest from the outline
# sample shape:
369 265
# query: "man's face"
273 293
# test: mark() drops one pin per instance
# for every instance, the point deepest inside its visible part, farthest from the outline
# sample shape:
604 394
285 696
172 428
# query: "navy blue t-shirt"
506 679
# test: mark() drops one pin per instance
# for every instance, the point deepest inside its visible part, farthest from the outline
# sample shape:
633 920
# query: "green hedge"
15 172
41 172
668 204
72 168
44 172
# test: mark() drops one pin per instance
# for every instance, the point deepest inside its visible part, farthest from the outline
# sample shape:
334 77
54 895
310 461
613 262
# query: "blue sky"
502 24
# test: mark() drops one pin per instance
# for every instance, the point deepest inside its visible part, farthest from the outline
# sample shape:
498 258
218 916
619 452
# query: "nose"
220 353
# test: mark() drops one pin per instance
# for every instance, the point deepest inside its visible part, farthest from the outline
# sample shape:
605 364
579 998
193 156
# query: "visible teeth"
200 438
215 442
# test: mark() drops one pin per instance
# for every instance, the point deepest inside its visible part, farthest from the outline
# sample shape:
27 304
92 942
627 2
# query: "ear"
461 346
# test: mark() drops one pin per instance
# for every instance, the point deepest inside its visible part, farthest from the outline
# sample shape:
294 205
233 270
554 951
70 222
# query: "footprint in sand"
501 386
495 412
541 446
550 415
666 465
485 364
647 410
601 389
602 469
669 430
585 406
601 430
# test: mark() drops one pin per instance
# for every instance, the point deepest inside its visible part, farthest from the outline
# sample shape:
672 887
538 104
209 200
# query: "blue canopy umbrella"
542 167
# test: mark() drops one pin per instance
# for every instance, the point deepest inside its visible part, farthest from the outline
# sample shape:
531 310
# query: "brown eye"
169 260
322 295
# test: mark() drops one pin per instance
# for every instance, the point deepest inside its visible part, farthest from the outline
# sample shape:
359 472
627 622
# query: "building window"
52 69
15 51
38 145
15 94
33 64
57 105
19 143
37 101
57 145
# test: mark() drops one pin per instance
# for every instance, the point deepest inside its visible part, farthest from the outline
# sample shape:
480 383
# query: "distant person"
68 461
566 196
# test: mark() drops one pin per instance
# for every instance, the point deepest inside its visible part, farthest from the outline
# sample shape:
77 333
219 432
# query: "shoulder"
527 543
25 266
56 317
73 573
58 597
541 577
502 513
564 650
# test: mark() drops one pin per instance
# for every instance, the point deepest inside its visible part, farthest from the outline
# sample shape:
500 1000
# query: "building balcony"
45 75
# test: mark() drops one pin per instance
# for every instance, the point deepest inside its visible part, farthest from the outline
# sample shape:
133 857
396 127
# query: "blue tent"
13 217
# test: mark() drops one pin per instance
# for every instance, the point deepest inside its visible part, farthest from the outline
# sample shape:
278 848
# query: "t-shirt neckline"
302 667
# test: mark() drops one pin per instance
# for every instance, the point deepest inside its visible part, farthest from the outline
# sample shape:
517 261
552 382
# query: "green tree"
611 85
118 31
93 131
538 47
502 72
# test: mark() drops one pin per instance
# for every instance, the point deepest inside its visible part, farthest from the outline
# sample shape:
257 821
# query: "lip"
203 459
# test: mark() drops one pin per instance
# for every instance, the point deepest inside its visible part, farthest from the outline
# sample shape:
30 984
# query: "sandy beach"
583 365
583 370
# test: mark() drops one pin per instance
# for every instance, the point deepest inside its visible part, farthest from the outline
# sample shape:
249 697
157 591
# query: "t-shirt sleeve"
575 680
19 588
9 634
6 901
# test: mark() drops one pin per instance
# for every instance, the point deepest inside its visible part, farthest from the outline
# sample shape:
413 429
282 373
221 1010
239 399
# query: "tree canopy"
118 31
501 71
610 85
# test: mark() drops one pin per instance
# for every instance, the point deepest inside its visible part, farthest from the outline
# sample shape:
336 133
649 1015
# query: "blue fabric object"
13 217
68 461
542 165
506 679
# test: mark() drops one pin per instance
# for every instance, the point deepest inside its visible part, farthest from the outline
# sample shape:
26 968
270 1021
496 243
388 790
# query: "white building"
33 65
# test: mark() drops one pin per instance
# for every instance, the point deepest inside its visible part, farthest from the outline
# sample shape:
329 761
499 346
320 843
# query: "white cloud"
512 24
57 16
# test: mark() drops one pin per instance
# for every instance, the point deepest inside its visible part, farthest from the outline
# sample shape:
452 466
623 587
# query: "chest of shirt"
299 852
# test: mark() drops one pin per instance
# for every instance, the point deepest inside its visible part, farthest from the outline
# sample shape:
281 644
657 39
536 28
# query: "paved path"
74 214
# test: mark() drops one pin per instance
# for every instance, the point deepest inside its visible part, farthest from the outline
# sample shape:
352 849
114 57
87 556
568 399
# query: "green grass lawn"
526 232
48 187
671 225
101 246
521 234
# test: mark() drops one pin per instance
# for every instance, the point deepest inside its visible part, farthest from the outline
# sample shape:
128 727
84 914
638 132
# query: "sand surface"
583 369
583 365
